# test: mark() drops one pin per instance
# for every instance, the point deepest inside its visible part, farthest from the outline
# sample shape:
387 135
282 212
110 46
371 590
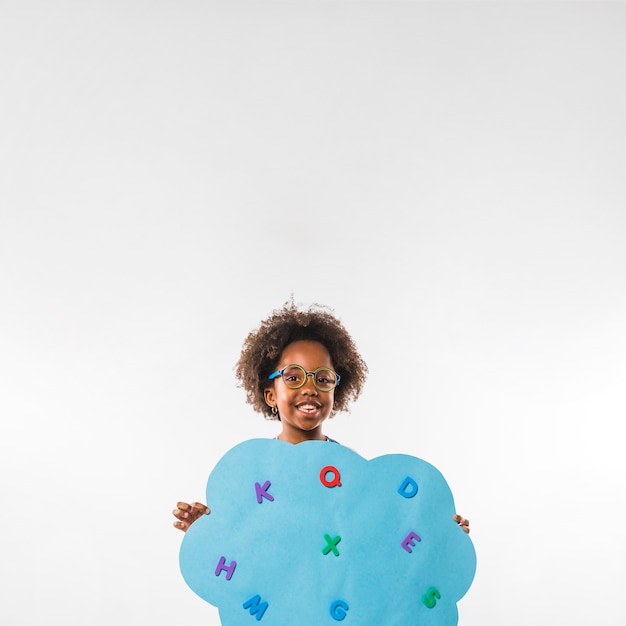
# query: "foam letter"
222 567
430 598
338 610
331 544
409 541
335 482
408 482
261 492
257 608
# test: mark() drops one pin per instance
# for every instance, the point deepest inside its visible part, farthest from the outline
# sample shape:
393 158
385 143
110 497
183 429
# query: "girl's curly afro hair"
263 347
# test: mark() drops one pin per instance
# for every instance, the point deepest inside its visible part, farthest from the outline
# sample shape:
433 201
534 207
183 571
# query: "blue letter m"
256 606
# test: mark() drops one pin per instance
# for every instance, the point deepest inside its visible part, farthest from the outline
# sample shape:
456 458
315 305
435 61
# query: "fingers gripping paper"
314 534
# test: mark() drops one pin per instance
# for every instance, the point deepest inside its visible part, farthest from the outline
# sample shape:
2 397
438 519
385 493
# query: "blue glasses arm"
275 374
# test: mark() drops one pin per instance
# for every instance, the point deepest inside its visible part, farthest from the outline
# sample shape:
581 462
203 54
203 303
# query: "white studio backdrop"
448 177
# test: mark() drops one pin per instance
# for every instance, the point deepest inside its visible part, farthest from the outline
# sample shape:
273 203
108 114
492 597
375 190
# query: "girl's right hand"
187 514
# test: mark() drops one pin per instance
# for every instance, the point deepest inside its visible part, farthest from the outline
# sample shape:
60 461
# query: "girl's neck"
300 436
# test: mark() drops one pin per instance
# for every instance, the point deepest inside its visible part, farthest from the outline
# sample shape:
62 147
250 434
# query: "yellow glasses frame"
281 373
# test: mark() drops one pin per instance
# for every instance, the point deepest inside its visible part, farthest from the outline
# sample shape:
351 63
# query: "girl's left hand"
462 522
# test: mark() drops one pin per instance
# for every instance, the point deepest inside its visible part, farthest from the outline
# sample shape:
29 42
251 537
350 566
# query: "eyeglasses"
295 376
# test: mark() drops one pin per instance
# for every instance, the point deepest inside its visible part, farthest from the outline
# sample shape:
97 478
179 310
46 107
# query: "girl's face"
302 411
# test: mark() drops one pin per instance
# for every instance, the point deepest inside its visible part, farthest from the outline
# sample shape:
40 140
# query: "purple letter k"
261 492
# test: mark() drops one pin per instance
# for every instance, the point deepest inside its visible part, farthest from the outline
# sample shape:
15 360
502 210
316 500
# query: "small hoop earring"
274 410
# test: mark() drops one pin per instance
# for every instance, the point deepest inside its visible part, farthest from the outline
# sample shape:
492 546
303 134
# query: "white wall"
448 177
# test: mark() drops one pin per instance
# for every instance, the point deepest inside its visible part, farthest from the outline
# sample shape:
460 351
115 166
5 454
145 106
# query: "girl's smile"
308 408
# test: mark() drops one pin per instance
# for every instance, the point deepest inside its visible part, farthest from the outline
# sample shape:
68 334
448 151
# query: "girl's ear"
270 396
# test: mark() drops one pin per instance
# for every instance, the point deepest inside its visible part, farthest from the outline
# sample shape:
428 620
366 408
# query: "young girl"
299 367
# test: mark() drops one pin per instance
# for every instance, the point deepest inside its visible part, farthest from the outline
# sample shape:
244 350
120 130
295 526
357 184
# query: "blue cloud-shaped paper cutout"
286 544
